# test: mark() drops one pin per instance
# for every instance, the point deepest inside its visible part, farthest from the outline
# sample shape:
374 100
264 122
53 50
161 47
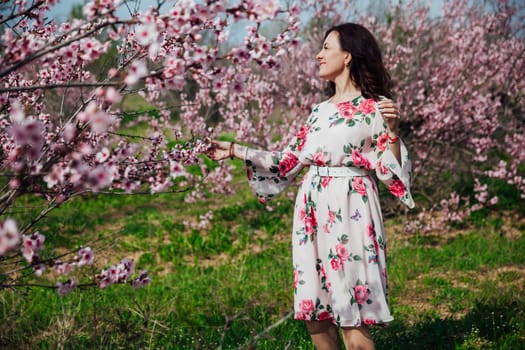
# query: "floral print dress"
339 246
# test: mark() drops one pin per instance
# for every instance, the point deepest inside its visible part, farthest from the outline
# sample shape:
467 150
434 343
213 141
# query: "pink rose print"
346 109
336 264
300 316
342 251
301 135
303 131
383 170
307 306
249 172
359 186
309 225
371 231
287 163
331 216
397 188
325 181
372 235
382 142
310 222
261 200
369 322
361 294
319 159
295 278
323 271
325 315
360 161
326 229
367 106
302 213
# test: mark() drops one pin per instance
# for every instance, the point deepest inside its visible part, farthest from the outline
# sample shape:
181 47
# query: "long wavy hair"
367 70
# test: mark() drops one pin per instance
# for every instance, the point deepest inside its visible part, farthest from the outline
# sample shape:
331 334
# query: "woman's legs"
324 335
357 338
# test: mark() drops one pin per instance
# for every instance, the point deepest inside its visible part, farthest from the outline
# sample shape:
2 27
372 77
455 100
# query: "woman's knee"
316 327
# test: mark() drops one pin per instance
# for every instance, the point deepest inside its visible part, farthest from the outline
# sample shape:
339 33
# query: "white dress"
339 246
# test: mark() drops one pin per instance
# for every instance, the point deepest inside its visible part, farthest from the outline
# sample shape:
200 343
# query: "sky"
62 10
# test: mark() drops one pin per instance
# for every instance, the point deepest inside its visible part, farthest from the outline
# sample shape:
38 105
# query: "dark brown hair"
367 70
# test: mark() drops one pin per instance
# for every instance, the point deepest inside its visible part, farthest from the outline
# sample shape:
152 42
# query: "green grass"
220 286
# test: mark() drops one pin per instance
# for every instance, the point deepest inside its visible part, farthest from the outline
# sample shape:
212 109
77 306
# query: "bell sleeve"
395 176
271 172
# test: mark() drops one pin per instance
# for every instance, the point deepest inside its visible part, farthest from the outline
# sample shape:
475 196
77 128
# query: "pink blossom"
137 70
142 280
63 268
266 9
176 169
112 95
31 245
102 156
146 33
86 256
66 287
9 236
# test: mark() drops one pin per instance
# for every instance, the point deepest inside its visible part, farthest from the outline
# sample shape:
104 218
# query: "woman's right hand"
219 150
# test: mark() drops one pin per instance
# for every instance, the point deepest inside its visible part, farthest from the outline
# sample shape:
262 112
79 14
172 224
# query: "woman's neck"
345 90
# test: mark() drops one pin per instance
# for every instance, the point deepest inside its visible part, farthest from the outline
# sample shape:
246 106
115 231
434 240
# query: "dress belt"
341 171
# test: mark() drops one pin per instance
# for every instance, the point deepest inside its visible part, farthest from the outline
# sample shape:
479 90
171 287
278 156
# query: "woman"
339 249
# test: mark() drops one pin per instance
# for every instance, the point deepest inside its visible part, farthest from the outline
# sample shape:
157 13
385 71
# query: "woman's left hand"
391 115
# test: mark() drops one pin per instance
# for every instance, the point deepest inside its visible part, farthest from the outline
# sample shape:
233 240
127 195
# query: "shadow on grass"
487 326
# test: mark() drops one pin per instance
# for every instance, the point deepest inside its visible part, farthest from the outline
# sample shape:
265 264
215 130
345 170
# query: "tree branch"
252 342
57 86
39 54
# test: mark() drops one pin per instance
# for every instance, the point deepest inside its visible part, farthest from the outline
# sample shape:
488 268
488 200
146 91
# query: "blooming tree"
57 153
459 80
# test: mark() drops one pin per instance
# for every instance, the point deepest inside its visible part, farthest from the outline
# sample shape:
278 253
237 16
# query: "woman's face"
332 59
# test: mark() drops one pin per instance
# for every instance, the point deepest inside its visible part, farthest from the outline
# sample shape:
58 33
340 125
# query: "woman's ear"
348 59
